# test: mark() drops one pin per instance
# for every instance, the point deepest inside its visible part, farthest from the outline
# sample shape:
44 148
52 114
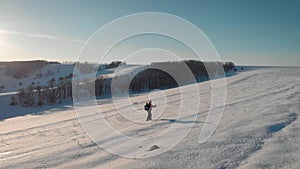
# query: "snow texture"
260 128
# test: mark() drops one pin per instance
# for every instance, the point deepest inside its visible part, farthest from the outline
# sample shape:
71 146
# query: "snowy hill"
259 129
40 77
40 83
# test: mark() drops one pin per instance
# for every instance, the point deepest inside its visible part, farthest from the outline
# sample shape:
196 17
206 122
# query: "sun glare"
3 39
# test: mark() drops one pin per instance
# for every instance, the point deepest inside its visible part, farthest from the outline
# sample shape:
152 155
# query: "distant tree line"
86 68
54 92
114 64
157 79
2 87
148 79
154 78
20 69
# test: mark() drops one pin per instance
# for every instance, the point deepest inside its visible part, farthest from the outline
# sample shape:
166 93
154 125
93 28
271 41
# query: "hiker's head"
150 101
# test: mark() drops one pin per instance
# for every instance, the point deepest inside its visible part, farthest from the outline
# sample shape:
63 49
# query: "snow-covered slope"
46 73
56 71
260 128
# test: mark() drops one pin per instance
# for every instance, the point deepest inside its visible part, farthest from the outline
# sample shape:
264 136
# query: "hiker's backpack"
147 106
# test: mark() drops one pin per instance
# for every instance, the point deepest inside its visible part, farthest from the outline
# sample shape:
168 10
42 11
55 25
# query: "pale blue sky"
247 32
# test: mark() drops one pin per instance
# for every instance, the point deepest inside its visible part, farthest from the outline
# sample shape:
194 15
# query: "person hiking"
148 107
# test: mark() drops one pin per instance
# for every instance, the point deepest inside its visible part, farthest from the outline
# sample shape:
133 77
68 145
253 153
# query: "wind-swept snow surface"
260 128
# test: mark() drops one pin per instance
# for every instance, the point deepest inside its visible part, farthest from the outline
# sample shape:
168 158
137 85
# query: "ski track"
260 128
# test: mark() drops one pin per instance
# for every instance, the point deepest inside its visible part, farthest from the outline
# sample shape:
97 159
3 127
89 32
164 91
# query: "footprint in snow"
154 147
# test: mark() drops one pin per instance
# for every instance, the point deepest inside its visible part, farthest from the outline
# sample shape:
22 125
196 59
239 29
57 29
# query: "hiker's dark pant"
149 117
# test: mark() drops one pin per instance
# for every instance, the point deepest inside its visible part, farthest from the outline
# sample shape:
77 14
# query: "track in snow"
259 129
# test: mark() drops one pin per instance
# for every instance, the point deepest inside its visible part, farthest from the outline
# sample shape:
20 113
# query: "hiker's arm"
153 105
